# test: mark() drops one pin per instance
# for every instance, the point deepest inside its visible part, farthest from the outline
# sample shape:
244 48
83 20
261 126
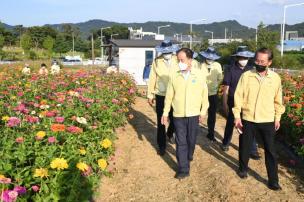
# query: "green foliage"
1 41
48 44
26 42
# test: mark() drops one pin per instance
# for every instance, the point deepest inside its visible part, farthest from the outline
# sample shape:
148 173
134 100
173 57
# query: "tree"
26 42
62 45
48 44
266 38
1 41
122 31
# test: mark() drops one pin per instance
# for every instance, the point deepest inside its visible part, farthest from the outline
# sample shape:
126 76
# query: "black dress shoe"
255 156
180 176
275 186
161 152
211 139
224 147
242 174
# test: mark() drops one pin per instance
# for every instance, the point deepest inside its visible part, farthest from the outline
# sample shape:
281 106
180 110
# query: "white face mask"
167 56
209 62
182 66
243 63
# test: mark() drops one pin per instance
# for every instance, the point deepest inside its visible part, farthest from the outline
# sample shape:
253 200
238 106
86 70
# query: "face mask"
243 63
182 66
167 56
209 62
260 68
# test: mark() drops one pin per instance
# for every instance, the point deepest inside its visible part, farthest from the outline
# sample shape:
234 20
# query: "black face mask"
260 68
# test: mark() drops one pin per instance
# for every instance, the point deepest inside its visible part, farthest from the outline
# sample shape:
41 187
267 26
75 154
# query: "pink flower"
59 119
52 139
5 180
9 196
20 190
20 94
115 101
35 188
74 129
32 119
131 91
87 172
19 140
50 114
13 122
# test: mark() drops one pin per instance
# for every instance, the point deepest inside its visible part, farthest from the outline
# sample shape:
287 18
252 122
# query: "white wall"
133 61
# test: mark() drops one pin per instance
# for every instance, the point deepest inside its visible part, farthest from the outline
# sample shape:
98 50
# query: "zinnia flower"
59 164
82 166
106 143
74 129
59 119
58 127
82 151
9 196
5 118
102 164
81 120
20 190
52 139
19 140
5 180
41 172
13 122
35 188
40 135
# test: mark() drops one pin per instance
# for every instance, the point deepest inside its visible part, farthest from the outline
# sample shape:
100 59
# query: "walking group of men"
185 91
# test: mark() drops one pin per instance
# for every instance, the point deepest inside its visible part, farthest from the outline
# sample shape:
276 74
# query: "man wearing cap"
187 93
258 97
231 78
157 87
213 72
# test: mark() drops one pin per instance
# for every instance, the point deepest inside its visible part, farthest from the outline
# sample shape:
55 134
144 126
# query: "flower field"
57 132
292 130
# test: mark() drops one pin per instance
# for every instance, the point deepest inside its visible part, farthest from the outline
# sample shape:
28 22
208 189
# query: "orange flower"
58 127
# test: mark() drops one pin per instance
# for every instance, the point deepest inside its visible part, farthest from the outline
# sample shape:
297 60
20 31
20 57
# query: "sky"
247 12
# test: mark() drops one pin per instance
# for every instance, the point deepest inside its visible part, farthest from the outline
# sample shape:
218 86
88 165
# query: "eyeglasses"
261 62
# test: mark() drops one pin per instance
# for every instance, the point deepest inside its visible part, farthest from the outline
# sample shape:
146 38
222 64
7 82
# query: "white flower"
58 105
81 120
77 82
44 106
33 113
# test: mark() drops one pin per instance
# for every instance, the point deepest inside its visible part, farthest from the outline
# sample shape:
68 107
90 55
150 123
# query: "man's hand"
201 118
277 125
151 101
164 120
238 124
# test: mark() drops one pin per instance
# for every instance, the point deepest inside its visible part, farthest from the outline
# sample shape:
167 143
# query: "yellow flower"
41 172
106 143
41 134
82 166
27 85
5 118
102 164
59 164
2 177
82 151
13 98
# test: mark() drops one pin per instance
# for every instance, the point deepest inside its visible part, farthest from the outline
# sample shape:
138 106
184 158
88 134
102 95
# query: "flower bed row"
57 132
292 130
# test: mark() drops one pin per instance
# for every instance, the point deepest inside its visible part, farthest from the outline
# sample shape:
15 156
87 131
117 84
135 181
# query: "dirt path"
142 175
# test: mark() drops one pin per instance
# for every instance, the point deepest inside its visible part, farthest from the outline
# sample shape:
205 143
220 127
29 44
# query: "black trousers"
161 129
211 115
230 126
186 129
267 133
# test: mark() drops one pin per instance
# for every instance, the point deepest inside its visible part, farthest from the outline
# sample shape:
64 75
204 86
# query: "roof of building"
136 43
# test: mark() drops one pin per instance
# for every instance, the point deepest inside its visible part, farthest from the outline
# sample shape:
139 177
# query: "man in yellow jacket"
213 71
157 87
258 97
187 93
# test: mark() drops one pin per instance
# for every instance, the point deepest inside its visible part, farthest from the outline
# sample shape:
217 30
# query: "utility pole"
225 33
93 57
73 43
